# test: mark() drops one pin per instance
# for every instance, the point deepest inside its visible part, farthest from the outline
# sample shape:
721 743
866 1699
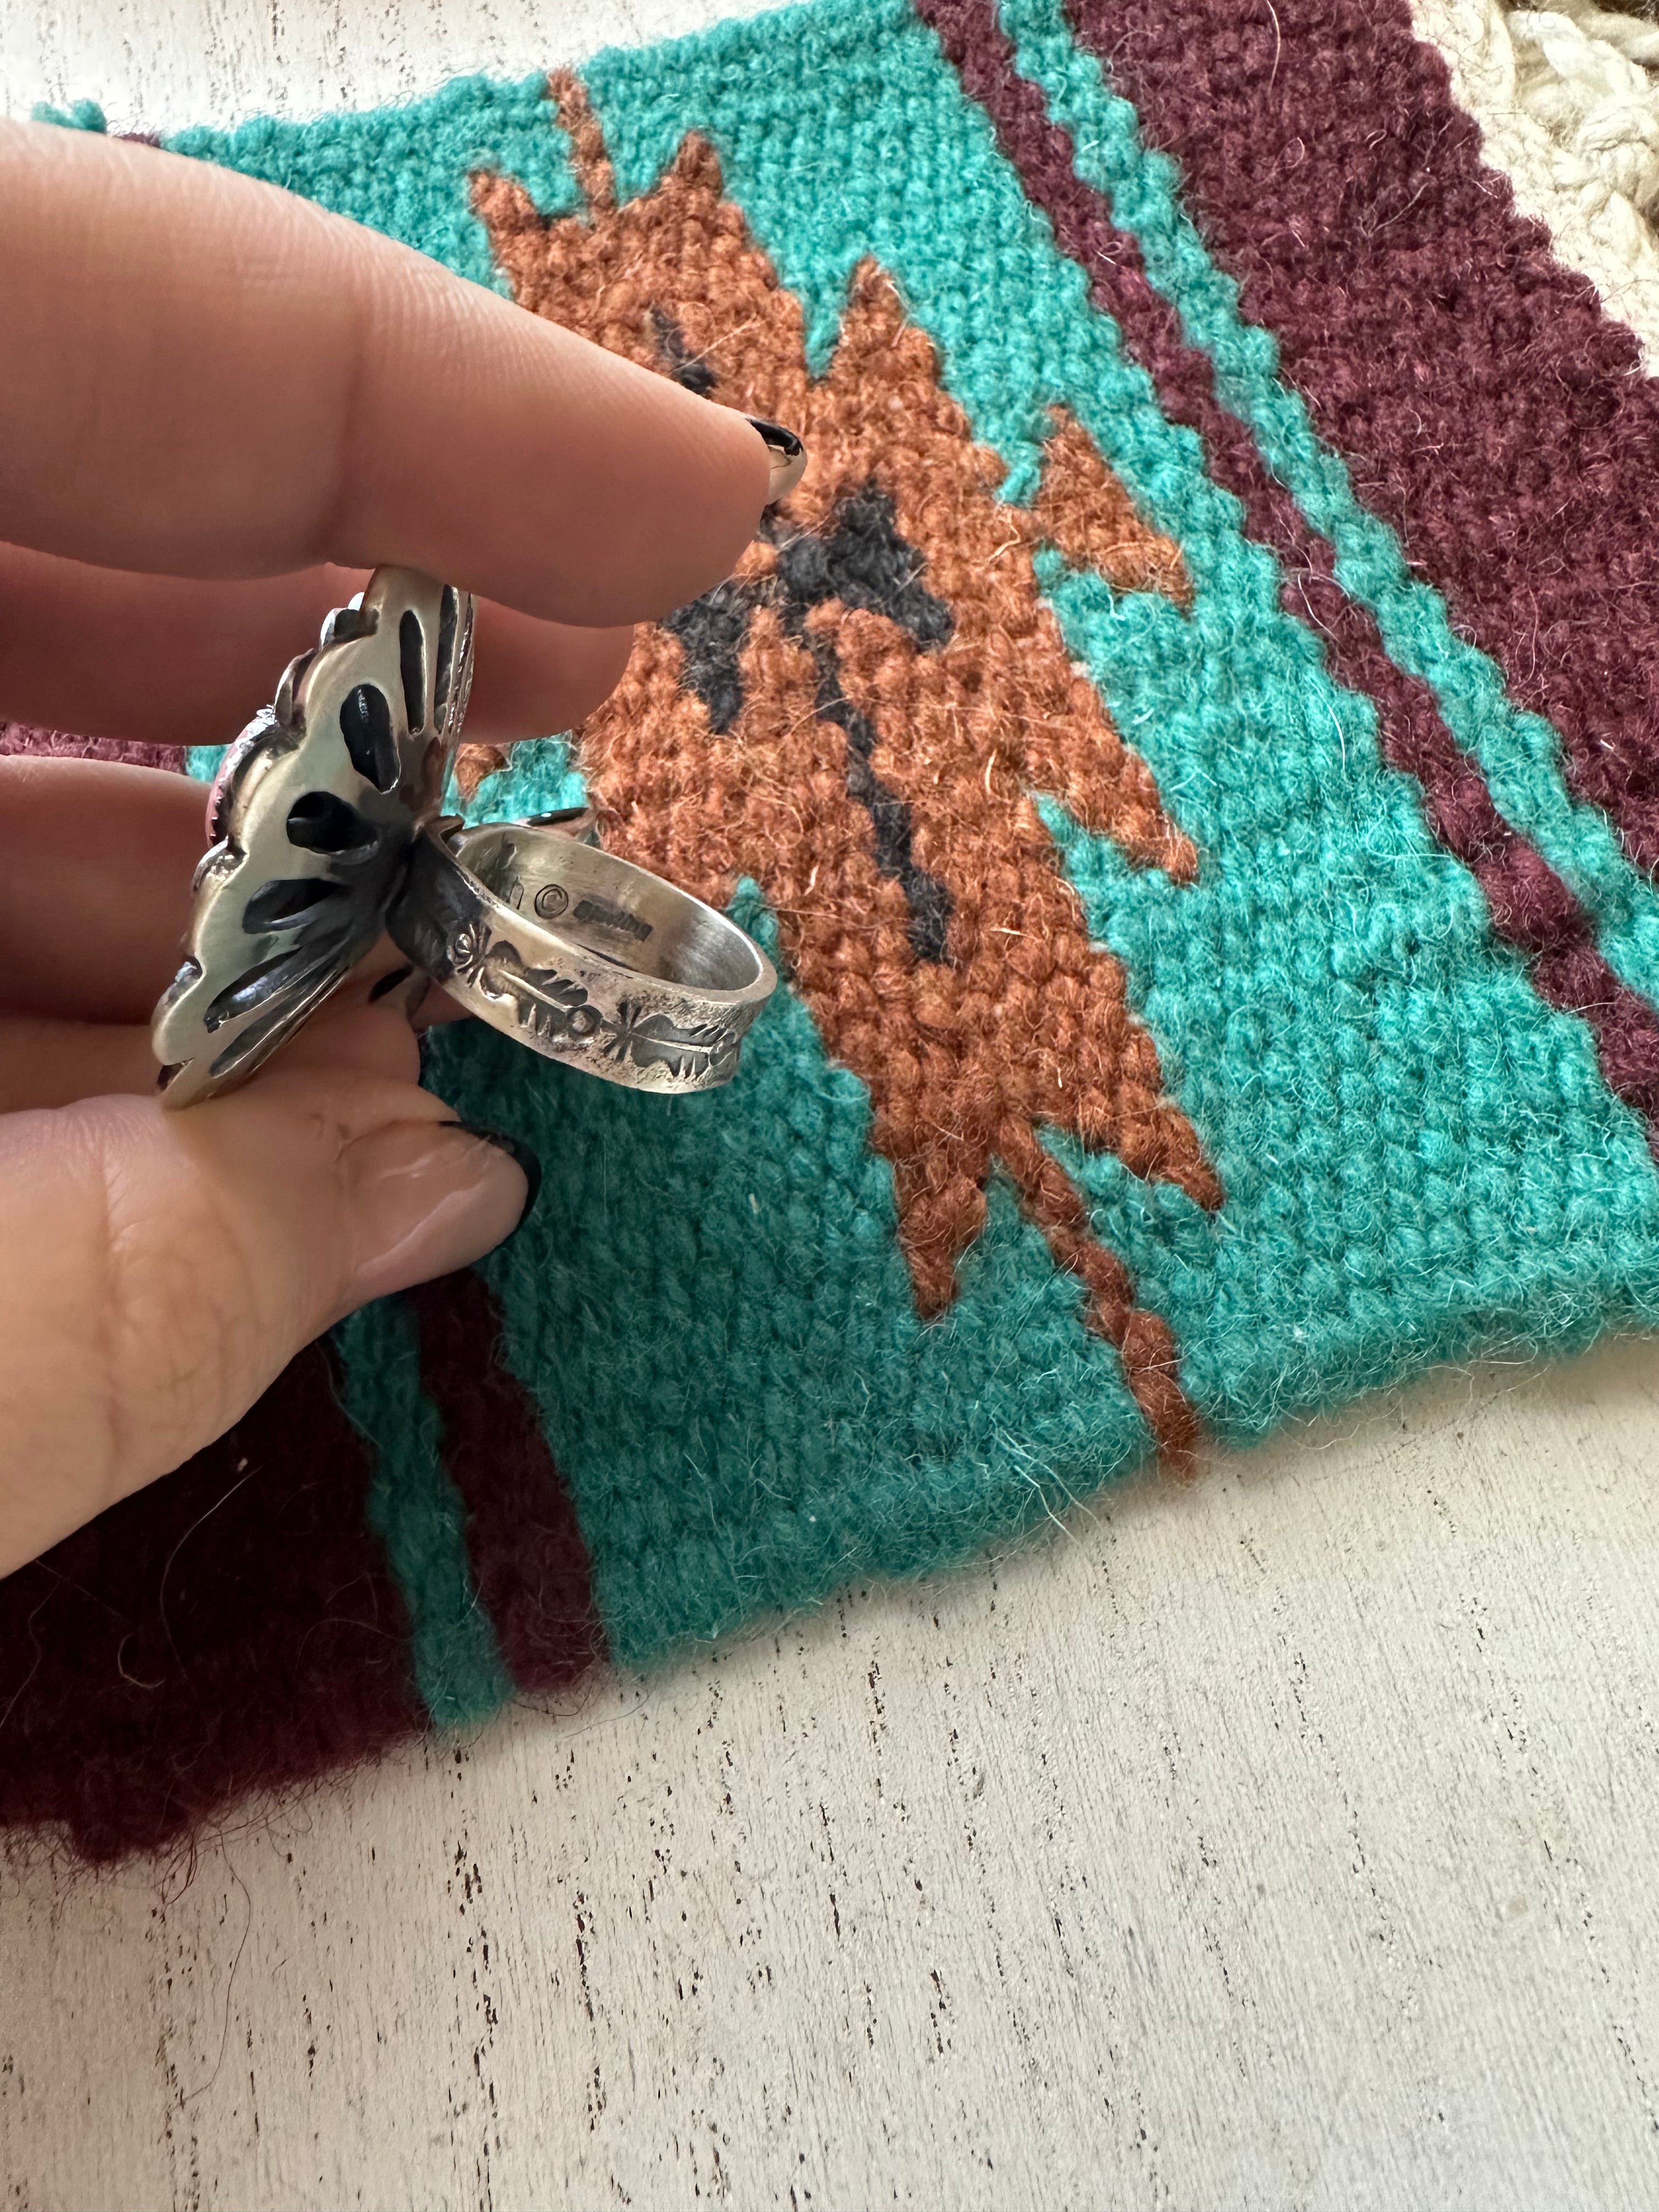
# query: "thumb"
162 1268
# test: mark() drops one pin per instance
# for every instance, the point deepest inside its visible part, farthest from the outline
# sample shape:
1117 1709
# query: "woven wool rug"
1192 744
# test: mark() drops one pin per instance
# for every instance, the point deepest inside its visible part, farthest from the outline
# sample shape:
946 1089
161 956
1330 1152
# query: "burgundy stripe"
62 744
1531 908
530 1564
1488 409
231 1629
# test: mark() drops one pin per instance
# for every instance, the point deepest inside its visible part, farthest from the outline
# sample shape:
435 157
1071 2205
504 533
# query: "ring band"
580 955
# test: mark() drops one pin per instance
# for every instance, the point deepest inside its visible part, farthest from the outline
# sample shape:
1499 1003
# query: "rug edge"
1614 245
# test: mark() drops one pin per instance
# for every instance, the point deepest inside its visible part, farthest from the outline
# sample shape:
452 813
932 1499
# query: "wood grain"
1283 1843
156 64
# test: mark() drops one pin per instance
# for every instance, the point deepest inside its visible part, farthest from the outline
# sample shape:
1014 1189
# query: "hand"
219 407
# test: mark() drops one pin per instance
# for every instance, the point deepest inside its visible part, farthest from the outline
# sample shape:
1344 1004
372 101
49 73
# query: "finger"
95 866
180 661
436 1010
96 860
364 1029
248 384
162 1268
45 1062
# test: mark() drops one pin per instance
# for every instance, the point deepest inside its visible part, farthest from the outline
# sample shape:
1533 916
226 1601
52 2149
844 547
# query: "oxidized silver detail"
311 820
635 981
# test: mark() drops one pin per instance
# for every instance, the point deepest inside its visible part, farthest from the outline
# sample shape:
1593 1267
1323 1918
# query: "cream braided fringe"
1567 98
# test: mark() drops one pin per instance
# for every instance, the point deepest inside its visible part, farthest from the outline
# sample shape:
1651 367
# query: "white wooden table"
1289 1842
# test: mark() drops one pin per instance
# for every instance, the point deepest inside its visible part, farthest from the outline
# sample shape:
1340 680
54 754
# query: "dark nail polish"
389 983
786 453
514 1151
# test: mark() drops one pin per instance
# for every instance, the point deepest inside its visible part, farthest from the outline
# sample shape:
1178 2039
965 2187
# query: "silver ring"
324 821
580 955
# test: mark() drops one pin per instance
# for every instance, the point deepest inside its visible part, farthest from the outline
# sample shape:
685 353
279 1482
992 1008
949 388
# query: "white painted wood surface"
1284 1843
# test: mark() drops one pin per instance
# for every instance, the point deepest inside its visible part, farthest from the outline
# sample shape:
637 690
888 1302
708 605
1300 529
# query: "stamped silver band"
580 956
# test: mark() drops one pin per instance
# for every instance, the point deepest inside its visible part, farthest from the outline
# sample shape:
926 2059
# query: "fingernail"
388 984
408 989
516 1151
424 1201
786 453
